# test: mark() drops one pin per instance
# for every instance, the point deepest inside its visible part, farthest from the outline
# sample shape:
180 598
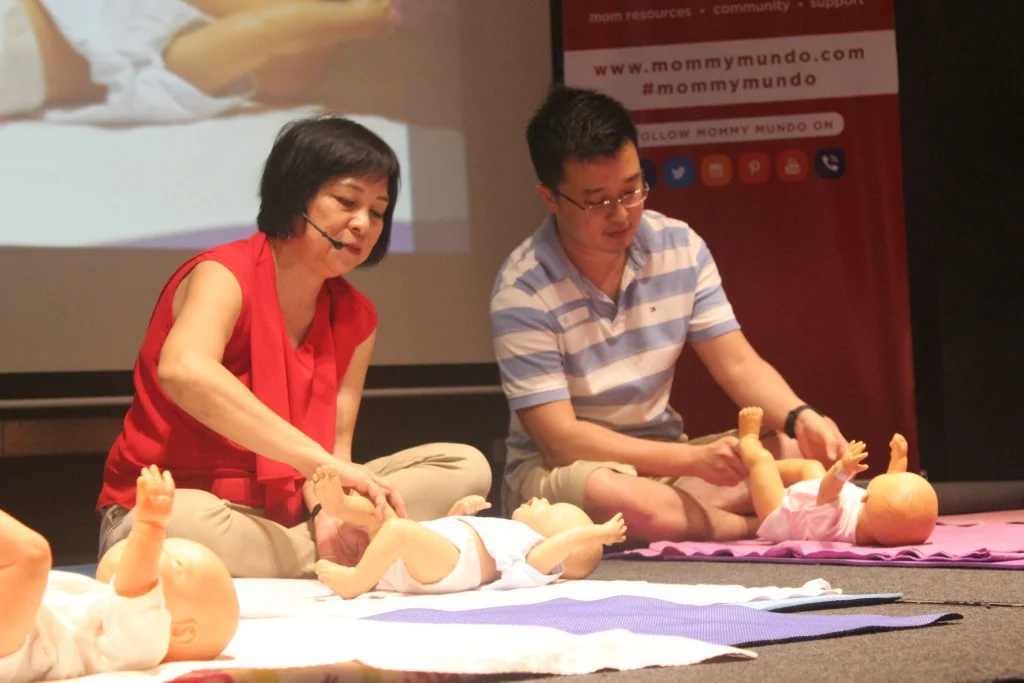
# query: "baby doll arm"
553 551
468 506
897 454
139 569
841 472
25 562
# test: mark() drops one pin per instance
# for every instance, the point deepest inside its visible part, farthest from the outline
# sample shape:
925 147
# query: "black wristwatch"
790 427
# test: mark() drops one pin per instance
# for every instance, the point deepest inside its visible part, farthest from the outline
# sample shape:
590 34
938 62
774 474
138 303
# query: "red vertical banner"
772 128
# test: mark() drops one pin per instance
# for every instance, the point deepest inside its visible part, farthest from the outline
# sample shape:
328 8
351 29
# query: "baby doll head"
199 594
547 520
900 508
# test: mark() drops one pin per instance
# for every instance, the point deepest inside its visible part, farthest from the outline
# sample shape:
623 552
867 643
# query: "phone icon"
830 163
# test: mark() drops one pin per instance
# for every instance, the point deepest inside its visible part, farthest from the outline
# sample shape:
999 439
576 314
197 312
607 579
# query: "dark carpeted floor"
987 644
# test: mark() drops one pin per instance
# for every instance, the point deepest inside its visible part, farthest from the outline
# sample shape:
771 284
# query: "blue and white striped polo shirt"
557 336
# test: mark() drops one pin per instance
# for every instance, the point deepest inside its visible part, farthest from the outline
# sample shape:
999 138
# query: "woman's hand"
368 484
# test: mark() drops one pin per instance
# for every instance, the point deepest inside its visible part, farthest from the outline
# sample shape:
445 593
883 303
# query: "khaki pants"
565 484
430 479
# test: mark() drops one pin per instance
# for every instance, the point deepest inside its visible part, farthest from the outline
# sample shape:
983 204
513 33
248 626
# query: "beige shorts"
565 484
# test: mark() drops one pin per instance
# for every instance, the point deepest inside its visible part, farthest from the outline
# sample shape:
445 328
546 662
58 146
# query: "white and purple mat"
984 541
297 631
733 625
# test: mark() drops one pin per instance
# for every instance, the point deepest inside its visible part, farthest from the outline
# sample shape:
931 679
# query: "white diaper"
83 628
124 42
464 577
508 542
22 80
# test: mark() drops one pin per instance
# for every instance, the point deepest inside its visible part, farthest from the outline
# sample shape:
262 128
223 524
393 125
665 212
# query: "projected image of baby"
171 61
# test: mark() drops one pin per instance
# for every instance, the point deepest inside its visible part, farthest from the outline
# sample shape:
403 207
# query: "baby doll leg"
793 471
215 56
764 480
428 556
25 563
353 508
283 77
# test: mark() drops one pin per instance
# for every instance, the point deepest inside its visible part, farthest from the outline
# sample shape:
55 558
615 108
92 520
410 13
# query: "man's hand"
359 478
719 462
819 438
154 497
468 506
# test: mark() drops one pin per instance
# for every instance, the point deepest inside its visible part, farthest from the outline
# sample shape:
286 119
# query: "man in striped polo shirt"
589 316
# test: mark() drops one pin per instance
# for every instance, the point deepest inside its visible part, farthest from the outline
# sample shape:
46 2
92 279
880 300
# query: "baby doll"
898 507
56 625
460 552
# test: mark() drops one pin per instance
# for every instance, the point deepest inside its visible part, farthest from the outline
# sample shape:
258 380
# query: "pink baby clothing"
800 518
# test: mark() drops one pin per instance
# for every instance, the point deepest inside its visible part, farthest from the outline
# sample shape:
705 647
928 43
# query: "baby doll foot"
751 450
328 490
339 579
750 422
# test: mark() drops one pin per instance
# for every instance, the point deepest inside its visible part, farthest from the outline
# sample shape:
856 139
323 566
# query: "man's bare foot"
329 491
750 422
339 579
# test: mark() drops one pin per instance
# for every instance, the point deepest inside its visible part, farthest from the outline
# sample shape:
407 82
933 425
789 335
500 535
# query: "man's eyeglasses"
606 208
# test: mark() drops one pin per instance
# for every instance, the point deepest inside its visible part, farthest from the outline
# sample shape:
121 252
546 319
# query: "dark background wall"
961 66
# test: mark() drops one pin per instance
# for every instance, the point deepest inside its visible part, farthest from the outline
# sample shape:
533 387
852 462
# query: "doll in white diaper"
154 599
168 61
461 552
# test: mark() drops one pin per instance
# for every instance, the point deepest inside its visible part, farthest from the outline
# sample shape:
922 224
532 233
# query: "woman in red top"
252 369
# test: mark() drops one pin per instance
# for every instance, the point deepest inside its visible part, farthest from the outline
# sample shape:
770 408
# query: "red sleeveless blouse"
300 385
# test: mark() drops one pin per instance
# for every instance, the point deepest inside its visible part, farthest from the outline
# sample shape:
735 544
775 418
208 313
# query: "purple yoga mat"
720 624
981 546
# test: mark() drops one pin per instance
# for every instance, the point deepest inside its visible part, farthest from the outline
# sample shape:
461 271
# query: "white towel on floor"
302 642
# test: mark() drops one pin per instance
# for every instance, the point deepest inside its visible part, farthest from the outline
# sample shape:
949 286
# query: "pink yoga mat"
964 541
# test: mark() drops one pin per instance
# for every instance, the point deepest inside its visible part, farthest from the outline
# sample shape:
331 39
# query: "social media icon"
650 172
754 168
830 163
791 166
716 170
679 172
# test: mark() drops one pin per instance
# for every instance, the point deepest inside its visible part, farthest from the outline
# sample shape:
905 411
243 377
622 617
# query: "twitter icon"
679 172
